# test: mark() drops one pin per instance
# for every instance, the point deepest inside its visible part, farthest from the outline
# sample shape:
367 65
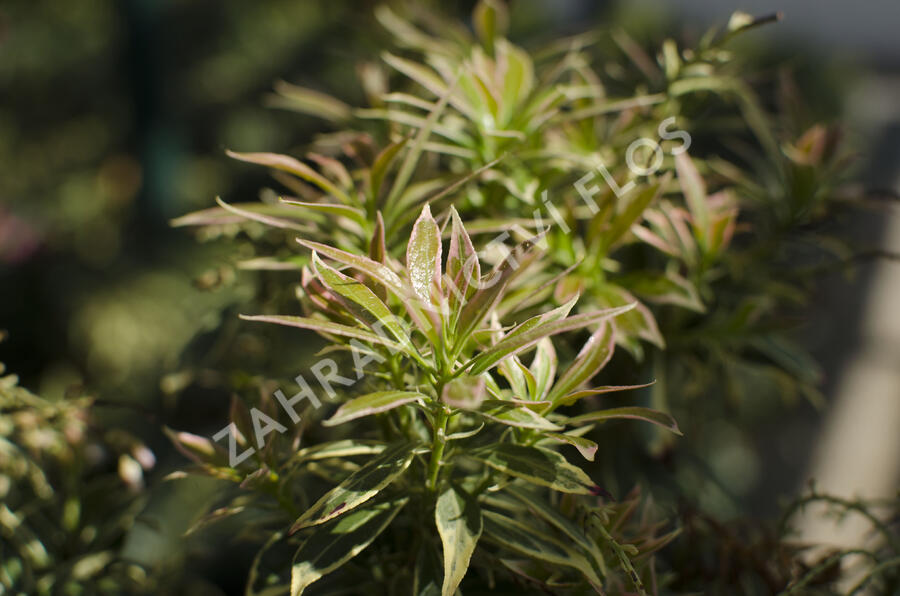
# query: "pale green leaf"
516 342
526 540
586 447
332 544
458 520
423 256
694 190
324 327
331 209
636 413
309 101
337 449
515 414
377 271
362 296
359 487
536 465
293 166
593 356
373 403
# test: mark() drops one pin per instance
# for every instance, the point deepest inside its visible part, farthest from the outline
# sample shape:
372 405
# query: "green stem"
438 443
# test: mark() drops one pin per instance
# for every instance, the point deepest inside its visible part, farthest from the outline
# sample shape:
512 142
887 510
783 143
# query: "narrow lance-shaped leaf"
586 447
491 288
543 368
239 212
293 166
593 356
552 516
378 253
514 344
571 398
377 246
536 465
361 295
342 448
423 256
359 487
458 520
373 403
331 209
324 327
636 413
334 543
308 101
526 540
667 288
377 271
694 190
254 214
382 166
633 210
462 264
423 264
516 414
197 448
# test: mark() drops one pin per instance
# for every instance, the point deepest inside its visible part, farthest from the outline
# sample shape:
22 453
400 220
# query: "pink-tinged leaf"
636 413
694 190
556 314
571 398
512 414
254 215
463 267
362 297
378 253
333 167
373 403
377 271
331 209
519 402
326 328
517 341
491 288
239 213
654 240
288 164
536 465
315 297
591 359
377 246
586 447
423 257
359 487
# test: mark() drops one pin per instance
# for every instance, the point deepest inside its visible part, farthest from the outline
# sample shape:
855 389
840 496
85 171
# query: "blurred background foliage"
114 118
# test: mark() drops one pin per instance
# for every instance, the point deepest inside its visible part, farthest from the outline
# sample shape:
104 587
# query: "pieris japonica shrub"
474 246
